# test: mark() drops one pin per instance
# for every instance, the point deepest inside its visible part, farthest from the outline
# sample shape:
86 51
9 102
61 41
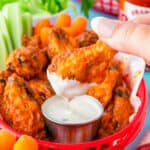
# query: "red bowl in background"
117 141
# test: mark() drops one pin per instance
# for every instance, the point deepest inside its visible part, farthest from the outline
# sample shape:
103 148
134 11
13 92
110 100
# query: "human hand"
131 37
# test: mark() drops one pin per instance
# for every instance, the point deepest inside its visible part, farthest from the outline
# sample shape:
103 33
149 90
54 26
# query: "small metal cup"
64 132
72 133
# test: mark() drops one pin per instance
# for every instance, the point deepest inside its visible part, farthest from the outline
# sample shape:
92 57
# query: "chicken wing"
104 91
33 42
20 109
87 38
41 89
107 127
117 113
60 41
122 106
27 62
4 74
83 64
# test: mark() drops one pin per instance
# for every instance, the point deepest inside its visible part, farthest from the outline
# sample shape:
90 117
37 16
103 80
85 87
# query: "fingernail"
104 27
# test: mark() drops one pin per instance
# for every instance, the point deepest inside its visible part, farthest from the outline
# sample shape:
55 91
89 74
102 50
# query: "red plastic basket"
117 141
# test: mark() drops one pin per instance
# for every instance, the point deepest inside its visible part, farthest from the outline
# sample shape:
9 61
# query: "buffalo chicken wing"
20 109
83 64
27 62
60 41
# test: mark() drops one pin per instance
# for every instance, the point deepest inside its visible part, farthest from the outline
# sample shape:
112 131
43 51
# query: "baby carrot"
7 140
44 36
63 20
70 31
41 24
26 142
79 25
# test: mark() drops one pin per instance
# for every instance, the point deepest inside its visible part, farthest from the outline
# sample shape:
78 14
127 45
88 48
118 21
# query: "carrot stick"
44 36
70 31
41 24
7 140
79 25
63 20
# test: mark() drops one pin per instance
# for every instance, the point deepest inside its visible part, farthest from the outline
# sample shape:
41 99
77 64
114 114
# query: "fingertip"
95 23
104 27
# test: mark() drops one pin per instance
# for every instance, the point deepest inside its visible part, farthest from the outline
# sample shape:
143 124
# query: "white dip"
80 109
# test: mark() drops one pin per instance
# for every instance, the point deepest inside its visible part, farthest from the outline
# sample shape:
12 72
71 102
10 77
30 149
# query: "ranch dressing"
80 109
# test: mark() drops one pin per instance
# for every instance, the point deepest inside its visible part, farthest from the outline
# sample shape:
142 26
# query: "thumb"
129 37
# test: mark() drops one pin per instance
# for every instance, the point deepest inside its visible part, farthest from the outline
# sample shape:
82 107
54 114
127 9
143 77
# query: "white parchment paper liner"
133 68
67 88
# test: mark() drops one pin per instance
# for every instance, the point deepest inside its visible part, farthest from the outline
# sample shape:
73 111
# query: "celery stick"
4 30
27 23
3 51
13 16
